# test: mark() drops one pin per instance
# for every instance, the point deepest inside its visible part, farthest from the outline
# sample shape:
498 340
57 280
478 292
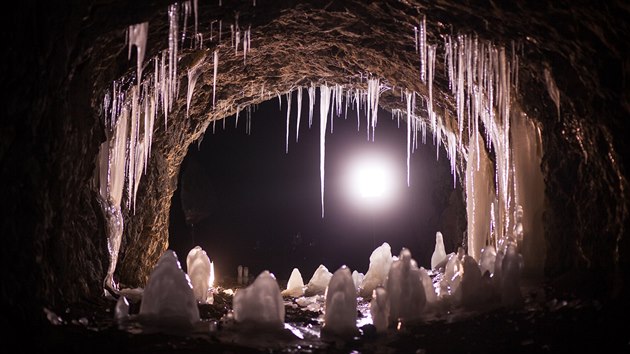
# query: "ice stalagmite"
379 309
199 269
340 311
324 104
407 298
511 266
295 285
380 262
318 282
488 257
168 299
439 253
260 306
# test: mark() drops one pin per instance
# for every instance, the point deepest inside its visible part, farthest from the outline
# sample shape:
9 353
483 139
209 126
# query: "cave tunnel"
92 83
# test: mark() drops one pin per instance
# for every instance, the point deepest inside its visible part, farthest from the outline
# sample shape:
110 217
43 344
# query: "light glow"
371 181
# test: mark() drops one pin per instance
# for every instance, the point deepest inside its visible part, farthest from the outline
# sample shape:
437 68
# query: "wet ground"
545 324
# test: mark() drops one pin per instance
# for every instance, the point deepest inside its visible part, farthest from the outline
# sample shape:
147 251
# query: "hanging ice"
319 281
288 120
380 262
295 285
439 253
479 197
215 62
299 113
340 311
324 104
193 74
168 298
199 269
260 306
138 37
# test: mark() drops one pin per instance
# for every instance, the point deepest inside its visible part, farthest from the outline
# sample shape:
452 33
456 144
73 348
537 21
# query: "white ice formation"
379 309
340 311
357 278
439 253
259 306
405 291
319 281
482 83
380 262
295 285
168 299
199 270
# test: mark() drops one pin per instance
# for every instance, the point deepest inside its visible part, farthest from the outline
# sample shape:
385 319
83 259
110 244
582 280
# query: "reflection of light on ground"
366 317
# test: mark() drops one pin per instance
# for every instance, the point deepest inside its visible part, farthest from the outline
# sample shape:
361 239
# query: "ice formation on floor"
340 311
199 270
357 278
405 291
319 281
488 257
168 298
380 262
439 254
259 306
511 266
295 285
379 309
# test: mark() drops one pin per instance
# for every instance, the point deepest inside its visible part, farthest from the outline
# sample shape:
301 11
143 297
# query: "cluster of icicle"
481 76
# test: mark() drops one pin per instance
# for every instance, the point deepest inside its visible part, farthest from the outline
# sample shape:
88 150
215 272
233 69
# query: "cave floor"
543 325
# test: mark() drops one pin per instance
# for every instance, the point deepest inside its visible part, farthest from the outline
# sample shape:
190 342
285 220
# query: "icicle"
220 29
173 14
324 104
311 103
138 37
431 68
552 88
299 113
186 6
423 51
232 36
214 79
238 110
357 94
408 96
415 34
193 74
279 101
196 11
288 120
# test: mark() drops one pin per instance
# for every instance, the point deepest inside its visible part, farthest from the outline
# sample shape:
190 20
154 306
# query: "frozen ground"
548 323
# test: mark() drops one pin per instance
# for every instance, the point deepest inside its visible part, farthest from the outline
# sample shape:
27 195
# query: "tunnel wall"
59 63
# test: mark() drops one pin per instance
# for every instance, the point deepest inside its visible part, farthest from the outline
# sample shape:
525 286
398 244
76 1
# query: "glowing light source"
371 180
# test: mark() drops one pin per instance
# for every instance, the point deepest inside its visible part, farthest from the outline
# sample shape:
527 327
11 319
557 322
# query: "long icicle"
299 113
288 120
324 104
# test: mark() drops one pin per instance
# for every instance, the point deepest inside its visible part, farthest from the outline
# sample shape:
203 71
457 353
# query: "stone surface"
60 59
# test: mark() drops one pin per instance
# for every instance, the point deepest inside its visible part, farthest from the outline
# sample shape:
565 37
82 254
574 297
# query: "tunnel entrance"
247 201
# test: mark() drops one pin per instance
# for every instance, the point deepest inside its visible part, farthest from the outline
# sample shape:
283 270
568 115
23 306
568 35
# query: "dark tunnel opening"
246 201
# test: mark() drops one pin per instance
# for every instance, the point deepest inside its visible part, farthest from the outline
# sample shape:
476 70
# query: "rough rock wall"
63 57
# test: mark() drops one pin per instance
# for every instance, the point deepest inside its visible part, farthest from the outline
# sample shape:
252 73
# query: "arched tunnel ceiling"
84 51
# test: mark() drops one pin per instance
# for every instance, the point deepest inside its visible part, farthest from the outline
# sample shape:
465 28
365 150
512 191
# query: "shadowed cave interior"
565 66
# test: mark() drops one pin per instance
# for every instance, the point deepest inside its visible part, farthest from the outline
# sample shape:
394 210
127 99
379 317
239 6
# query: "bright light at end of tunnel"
371 181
